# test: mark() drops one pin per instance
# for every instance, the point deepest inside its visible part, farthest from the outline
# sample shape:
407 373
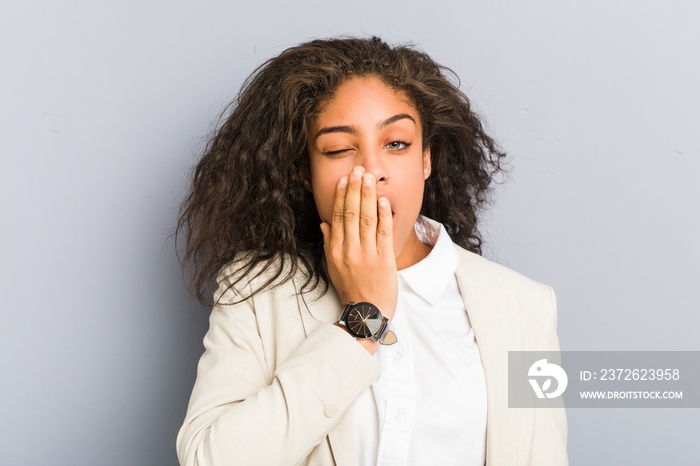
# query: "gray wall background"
104 106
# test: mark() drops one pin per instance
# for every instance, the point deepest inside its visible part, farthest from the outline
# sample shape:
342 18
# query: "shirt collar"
429 277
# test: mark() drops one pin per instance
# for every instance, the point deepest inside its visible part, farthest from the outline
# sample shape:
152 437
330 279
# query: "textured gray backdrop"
103 106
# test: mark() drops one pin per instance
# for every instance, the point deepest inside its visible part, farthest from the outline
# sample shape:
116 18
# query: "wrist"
370 345
367 343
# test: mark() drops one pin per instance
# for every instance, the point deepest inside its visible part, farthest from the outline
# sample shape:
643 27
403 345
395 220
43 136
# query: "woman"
355 321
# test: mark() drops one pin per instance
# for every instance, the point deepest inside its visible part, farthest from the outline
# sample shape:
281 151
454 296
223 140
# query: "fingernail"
357 172
343 182
383 202
368 179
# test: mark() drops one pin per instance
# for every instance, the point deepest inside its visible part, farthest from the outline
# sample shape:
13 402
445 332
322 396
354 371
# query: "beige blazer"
277 378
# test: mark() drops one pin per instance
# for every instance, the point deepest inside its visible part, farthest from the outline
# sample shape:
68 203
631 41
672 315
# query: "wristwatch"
364 320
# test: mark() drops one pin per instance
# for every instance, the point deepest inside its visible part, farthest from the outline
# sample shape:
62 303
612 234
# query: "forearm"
284 420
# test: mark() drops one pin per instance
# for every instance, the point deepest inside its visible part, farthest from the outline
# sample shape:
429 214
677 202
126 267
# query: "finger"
336 233
351 212
385 229
368 213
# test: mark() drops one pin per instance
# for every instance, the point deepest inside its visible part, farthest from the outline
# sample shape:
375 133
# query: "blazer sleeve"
550 439
243 412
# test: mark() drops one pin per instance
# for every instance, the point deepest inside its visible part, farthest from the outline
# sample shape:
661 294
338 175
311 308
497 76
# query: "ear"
427 167
305 179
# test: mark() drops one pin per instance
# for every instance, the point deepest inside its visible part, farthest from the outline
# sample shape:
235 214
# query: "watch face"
364 320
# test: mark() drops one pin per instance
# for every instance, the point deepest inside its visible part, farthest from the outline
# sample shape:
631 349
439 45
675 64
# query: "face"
369 124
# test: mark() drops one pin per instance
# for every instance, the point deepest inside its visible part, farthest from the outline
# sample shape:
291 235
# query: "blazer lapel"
495 319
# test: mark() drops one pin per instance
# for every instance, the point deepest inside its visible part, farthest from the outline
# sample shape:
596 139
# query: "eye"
336 152
397 145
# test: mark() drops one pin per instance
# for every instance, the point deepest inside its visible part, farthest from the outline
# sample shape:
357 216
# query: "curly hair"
247 205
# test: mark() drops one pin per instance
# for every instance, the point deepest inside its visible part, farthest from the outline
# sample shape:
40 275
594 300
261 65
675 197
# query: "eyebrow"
395 118
353 130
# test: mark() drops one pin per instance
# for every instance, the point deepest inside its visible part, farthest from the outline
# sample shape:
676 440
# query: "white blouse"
428 405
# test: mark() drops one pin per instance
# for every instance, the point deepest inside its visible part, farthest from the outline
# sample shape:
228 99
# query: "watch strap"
389 338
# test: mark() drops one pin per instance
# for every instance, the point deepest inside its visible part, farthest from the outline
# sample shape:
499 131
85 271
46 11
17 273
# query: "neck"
413 252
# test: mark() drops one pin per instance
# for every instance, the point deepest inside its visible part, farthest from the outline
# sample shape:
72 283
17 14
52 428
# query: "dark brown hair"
247 203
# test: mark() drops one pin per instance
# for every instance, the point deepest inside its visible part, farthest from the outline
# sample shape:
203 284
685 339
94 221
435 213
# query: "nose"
375 162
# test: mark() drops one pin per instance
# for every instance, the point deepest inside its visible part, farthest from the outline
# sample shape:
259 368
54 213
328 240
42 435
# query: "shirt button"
398 355
330 410
399 416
